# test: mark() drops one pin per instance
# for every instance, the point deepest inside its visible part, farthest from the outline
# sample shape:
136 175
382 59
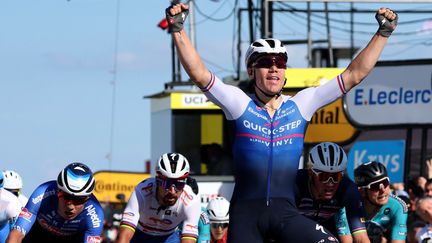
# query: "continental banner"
115 186
329 124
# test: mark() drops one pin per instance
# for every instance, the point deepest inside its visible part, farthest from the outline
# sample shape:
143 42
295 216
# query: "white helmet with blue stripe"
76 179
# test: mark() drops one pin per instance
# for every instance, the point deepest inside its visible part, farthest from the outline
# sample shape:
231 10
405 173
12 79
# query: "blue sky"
57 74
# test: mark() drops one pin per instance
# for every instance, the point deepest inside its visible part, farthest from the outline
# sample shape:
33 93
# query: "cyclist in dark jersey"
384 211
270 128
62 211
323 190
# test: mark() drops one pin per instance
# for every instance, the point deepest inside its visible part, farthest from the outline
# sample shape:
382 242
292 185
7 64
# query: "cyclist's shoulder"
204 218
397 204
146 186
43 191
189 198
7 196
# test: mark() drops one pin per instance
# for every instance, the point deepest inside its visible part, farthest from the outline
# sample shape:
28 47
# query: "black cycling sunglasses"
168 183
217 225
77 200
270 61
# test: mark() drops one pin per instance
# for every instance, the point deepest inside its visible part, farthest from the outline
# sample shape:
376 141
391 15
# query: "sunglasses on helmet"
377 185
270 61
326 177
217 225
77 200
168 183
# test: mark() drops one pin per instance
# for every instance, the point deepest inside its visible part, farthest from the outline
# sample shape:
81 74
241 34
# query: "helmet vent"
340 157
332 155
271 43
321 154
257 44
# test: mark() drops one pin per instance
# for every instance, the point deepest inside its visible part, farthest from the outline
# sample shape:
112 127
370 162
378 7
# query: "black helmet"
369 172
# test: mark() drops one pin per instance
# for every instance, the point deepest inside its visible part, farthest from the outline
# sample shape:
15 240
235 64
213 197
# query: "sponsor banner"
190 101
109 185
389 152
309 77
329 124
392 95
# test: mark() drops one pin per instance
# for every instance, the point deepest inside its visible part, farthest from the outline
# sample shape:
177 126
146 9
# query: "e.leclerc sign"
392 95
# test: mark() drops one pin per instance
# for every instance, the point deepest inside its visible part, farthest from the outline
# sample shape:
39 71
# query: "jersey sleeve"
342 223
354 209
309 100
131 213
192 216
399 221
13 210
94 222
28 214
204 228
232 100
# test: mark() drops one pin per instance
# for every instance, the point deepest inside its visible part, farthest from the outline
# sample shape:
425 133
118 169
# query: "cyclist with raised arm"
13 183
10 208
323 190
218 211
62 211
159 205
384 211
269 129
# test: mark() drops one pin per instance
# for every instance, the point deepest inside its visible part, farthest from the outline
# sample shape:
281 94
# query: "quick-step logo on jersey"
94 239
91 211
374 96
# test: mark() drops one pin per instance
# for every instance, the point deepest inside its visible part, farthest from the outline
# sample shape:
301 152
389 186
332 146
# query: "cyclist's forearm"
15 237
190 59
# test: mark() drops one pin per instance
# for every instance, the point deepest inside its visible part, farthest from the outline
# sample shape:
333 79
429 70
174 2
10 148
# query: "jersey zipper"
270 163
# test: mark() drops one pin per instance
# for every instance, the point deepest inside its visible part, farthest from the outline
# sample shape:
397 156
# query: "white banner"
392 95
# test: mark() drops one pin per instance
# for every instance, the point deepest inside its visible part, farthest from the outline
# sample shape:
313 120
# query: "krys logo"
370 96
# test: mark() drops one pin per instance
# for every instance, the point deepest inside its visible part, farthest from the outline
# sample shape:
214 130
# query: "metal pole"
192 23
251 26
352 30
265 19
330 48
407 167
239 43
309 35
173 61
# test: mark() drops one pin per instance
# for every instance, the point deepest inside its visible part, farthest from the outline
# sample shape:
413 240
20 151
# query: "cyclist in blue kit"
323 191
62 211
269 129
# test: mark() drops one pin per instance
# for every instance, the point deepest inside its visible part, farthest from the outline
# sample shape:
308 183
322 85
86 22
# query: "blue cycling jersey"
266 148
392 216
40 217
346 197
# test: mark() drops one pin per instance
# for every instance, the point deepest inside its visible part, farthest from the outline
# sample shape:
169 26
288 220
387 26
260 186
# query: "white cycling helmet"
264 46
12 180
328 157
218 210
172 166
76 179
